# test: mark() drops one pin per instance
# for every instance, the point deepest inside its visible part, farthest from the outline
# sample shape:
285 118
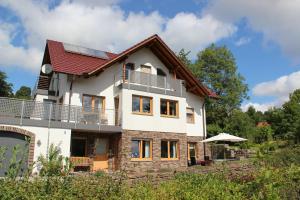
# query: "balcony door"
101 154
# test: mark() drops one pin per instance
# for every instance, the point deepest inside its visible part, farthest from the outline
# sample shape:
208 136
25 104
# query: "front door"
101 154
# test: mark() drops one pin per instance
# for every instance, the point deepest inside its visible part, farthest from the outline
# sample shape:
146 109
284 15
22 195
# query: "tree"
291 117
5 87
23 93
263 134
240 124
216 68
183 56
256 116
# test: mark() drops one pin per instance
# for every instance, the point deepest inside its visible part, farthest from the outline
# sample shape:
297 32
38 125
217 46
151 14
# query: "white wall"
58 137
195 102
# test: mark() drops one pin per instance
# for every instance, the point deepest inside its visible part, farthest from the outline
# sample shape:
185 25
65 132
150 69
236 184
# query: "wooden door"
101 154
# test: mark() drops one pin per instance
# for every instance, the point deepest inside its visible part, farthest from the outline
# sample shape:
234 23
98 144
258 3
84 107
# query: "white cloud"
279 89
276 19
242 41
258 106
13 55
104 25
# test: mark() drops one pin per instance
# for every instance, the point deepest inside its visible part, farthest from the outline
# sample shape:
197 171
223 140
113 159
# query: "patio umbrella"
224 137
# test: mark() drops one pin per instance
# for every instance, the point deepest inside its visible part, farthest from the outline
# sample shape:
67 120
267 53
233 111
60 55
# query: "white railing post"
76 117
148 82
128 79
99 118
181 88
50 114
22 113
165 84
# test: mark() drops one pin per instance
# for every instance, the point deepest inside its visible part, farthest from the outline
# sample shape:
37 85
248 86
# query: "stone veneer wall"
156 164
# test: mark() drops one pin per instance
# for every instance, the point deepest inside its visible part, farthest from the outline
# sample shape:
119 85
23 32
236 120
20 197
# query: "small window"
93 103
146 69
141 149
142 105
160 72
191 150
168 108
190 117
169 150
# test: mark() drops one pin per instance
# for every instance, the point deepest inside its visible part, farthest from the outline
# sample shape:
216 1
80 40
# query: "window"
190 117
169 150
128 67
146 69
191 150
141 105
93 103
160 72
168 108
141 149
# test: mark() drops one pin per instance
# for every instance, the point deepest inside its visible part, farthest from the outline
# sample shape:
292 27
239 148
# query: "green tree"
183 56
23 93
291 119
5 87
256 116
216 67
263 134
240 124
274 117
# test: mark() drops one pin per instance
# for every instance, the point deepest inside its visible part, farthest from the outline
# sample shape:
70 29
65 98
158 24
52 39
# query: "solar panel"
84 51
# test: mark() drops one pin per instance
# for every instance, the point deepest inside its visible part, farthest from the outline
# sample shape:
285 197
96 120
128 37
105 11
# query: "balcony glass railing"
29 109
168 85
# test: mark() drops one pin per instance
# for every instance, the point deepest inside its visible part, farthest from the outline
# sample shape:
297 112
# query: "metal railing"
168 85
33 110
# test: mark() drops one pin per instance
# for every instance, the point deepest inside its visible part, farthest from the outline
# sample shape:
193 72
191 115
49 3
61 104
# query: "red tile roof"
77 64
73 63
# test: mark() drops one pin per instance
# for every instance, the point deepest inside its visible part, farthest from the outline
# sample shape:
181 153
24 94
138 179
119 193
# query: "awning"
224 137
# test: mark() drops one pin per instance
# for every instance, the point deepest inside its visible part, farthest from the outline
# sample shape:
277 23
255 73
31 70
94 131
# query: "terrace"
54 115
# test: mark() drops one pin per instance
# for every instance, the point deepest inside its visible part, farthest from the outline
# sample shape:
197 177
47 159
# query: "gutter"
204 128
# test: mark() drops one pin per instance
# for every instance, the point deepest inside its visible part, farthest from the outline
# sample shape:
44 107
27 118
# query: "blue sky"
263 36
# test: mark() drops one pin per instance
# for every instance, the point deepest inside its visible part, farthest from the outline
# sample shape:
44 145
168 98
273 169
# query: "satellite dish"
46 69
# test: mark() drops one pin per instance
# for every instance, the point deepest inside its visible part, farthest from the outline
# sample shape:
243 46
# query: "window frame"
168 108
93 103
141 141
193 116
140 112
169 150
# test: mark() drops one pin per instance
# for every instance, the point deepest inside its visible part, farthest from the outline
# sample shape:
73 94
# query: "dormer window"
146 69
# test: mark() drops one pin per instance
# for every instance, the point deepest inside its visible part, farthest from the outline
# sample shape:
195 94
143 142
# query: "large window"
169 149
142 105
190 117
141 149
168 108
93 103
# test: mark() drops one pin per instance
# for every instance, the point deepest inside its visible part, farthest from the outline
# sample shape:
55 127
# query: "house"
141 109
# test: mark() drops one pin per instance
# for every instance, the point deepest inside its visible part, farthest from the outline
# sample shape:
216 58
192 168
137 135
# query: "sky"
263 35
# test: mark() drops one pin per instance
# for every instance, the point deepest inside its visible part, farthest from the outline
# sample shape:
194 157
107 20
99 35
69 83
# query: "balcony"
52 115
146 82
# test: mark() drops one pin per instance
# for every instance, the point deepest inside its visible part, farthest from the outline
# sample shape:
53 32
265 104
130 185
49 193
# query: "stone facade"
156 164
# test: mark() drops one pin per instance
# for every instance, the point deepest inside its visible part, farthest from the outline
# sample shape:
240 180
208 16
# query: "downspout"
204 128
70 96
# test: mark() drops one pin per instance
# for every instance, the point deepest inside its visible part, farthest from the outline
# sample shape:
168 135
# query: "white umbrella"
224 137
